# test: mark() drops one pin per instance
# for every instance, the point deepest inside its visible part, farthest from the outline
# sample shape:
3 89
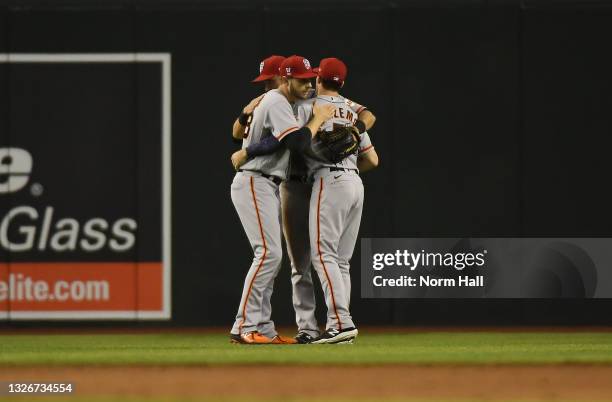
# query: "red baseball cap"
332 69
268 68
296 67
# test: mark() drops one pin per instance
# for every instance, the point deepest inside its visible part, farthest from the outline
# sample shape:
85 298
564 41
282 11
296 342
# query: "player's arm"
365 118
367 158
320 114
268 145
296 140
292 137
239 126
299 139
367 161
241 122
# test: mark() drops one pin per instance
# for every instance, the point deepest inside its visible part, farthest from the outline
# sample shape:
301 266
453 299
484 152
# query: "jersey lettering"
344 114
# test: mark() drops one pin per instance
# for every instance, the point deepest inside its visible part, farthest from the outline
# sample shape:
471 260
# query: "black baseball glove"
340 143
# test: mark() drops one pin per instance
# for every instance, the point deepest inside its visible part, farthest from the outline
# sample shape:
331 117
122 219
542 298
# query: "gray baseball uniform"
295 203
336 204
295 200
255 194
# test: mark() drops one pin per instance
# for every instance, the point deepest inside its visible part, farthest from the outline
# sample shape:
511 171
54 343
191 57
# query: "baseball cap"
268 68
296 67
332 69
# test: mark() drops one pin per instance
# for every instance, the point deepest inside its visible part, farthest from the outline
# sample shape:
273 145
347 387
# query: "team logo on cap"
307 64
261 66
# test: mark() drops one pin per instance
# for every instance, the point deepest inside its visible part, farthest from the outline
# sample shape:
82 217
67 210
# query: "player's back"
344 116
262 125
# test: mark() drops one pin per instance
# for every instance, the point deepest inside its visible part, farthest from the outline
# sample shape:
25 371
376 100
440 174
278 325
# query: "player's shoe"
283 340
250 338
333 335
347 342
304 337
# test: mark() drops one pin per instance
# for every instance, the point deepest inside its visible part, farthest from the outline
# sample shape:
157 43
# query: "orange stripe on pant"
263 258
331 288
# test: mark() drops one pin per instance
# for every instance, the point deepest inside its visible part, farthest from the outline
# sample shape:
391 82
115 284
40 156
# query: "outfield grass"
215 349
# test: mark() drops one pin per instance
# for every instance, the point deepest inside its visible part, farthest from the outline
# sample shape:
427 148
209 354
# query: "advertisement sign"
85 187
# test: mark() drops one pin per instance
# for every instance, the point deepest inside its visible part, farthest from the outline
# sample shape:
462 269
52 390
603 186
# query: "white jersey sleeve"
354 106
280 120
365 145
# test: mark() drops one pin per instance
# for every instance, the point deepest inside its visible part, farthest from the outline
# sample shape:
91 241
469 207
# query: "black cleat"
333 335
304 337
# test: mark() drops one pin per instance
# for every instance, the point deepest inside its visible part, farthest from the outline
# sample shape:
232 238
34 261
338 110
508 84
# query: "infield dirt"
551 383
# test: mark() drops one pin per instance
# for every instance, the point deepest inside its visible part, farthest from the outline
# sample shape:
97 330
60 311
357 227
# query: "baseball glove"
340 143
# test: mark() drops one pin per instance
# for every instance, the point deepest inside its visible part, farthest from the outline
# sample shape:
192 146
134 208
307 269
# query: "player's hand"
248 109
239 158
323 111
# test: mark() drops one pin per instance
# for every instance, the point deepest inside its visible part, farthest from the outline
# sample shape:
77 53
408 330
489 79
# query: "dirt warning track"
551 382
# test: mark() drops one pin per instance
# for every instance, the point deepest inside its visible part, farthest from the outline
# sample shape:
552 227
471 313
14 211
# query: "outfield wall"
493 120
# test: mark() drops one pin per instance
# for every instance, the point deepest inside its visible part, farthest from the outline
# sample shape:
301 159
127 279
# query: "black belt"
339 169
300 178
275 179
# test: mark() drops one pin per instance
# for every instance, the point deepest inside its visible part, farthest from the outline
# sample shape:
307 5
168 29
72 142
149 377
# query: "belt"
275 179
300 178
321 171
339 169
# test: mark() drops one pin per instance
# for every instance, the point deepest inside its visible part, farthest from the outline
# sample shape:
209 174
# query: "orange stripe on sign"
81 286
331 288
287 131
263 258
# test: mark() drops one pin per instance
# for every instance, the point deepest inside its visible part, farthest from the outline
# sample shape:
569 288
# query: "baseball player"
336 204
295 200
255 192
268 75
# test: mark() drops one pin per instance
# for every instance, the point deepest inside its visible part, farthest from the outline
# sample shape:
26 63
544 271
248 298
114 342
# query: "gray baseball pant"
257 202
295 203
336 205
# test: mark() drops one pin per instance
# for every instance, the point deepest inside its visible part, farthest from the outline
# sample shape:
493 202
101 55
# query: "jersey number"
247 128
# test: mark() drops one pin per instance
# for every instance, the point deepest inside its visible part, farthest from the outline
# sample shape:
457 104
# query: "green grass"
214 349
